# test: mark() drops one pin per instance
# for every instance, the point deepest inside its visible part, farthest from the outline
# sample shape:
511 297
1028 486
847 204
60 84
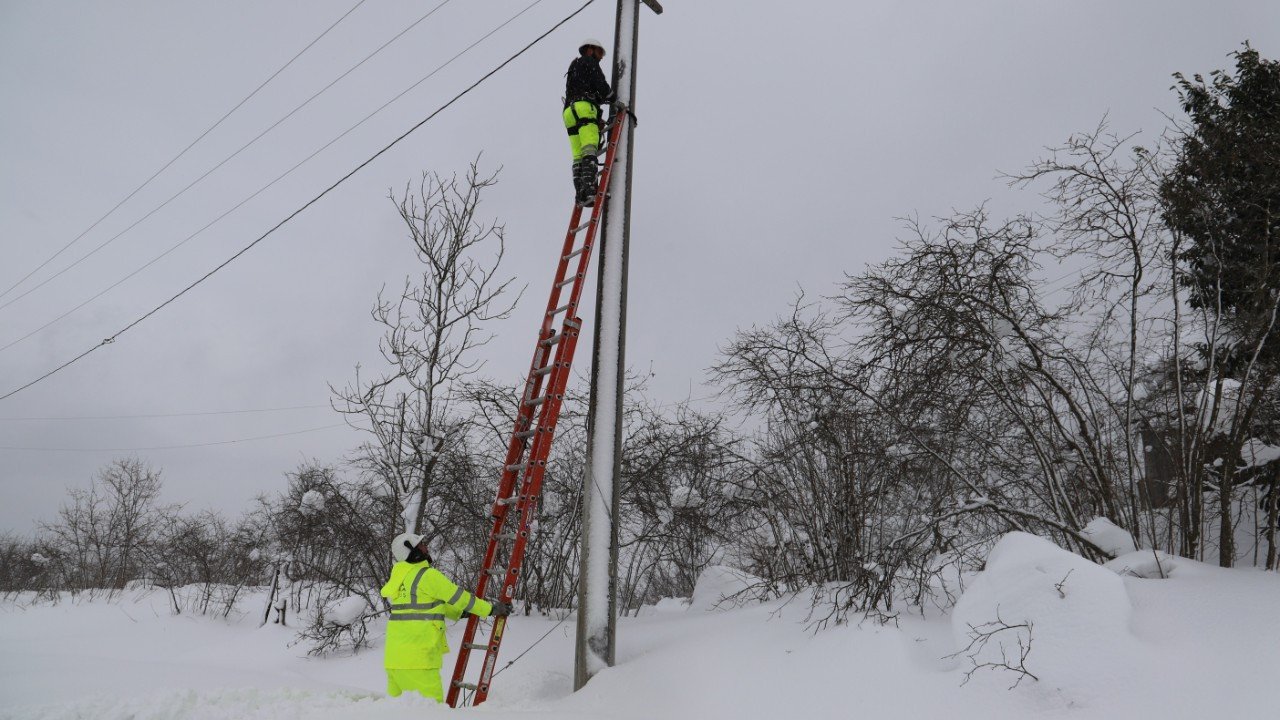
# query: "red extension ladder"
535 426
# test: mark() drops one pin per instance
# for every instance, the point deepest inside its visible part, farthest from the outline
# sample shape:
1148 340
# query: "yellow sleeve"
457 602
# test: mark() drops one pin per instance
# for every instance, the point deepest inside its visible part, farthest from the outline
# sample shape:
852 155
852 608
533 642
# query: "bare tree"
431 332
1108 215
104 532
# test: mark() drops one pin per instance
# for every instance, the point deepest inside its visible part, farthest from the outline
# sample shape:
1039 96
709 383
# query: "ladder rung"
465 685
569 281
526 434
534 402
517 466
495 572
550 341
507 536
577 252
583 226
544 370
475 646
560 309
507 500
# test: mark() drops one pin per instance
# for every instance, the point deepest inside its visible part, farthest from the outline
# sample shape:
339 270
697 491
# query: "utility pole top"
654 5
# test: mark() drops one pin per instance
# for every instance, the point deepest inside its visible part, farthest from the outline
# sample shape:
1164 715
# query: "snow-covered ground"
1104 642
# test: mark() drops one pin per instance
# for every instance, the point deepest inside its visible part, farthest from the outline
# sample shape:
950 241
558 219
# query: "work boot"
586 176
586 181
579 189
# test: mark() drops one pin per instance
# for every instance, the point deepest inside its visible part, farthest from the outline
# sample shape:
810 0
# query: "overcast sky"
777 144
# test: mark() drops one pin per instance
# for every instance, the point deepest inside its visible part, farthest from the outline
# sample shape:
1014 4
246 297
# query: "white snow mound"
1109 537
1151 564
345 611
720 587
1059 604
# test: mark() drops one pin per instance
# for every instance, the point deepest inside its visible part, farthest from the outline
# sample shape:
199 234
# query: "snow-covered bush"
720 588
346 611
1108 537
1035 610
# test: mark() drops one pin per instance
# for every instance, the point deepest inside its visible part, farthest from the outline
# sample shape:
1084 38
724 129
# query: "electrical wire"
308 204
175 447
166 415
264 188
210 171
162 169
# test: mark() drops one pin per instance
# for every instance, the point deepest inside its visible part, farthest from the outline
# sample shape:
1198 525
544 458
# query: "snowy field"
1101 642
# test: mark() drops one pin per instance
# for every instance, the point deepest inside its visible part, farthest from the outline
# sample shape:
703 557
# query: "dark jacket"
585 81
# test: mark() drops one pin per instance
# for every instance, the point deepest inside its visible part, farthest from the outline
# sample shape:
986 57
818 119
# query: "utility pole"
597 586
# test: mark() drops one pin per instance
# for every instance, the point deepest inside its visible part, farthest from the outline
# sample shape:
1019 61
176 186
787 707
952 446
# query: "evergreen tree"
1223 194
1222 199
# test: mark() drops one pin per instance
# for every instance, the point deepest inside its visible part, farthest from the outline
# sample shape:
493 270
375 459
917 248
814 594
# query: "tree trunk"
1273 516
1226 529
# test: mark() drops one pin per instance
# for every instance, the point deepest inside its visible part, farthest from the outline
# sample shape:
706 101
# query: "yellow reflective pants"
426 682
582 120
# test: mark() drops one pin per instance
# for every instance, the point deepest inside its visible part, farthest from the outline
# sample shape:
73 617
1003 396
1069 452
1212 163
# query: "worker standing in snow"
585 91
421 598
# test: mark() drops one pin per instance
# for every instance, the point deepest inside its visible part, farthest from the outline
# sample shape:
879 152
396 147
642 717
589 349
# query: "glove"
500 609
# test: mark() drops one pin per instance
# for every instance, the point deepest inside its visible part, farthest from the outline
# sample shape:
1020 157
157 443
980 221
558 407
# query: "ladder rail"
534 432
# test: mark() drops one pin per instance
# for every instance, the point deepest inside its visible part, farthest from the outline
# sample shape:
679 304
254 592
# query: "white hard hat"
404 544
590 42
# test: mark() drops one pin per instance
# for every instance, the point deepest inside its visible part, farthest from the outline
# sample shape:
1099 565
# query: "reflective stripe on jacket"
421 599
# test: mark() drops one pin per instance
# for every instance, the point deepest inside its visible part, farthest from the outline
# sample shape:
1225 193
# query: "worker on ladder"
585 91
421 598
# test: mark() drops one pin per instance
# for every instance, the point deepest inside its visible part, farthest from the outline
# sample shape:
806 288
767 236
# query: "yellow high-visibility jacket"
421 598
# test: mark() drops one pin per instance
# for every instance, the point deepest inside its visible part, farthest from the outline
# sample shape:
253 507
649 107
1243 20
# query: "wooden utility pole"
597 586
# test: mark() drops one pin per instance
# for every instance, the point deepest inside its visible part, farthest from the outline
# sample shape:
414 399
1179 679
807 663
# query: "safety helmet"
590 42
403 545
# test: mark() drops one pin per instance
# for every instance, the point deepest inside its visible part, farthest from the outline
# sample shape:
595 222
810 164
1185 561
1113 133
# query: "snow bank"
239 704
665 605
1043 609
720 587
1109 537
1144 564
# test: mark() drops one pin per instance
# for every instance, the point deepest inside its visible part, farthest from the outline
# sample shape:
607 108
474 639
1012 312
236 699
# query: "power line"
175 447
167 415
308 204
209 172
264 188
162 169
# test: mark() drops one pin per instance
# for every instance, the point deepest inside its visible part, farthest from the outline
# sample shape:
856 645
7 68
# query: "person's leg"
430 685
393 687
588 127
575 148
589 141
425 681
